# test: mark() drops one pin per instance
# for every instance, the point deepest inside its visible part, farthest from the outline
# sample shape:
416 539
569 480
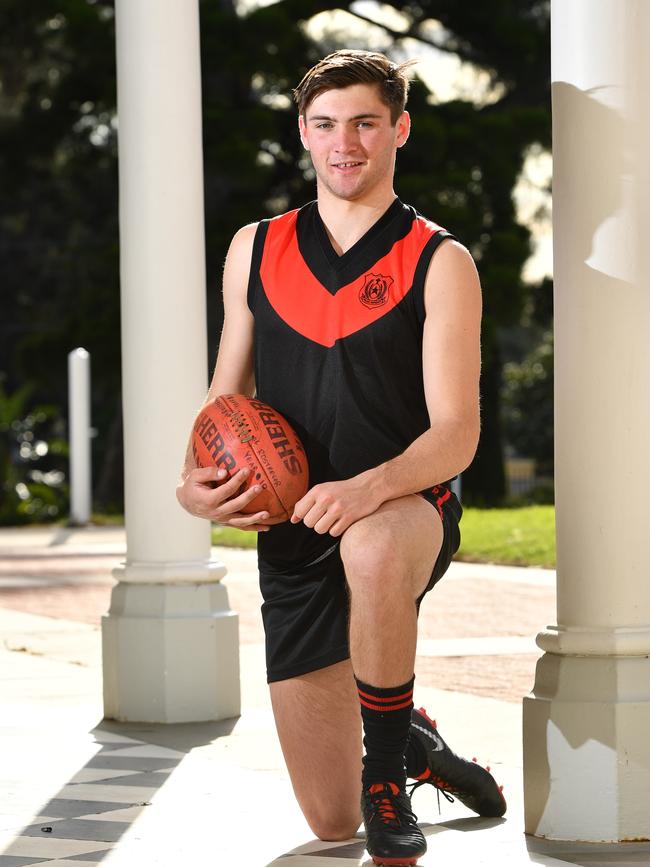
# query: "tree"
462 162
529 412
58 217
58 214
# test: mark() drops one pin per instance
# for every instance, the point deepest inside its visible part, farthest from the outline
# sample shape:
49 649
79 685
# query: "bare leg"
388 559
319 726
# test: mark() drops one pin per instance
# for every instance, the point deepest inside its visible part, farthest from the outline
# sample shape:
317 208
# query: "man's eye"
323 126
364 124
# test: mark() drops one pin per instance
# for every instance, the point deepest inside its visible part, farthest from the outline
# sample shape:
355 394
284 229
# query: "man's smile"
348 164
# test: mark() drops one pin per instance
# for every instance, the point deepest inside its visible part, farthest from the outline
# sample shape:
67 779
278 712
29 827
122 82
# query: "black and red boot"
430 760
392 835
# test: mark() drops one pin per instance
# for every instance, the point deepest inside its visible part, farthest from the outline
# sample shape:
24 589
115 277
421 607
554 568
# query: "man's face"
352 140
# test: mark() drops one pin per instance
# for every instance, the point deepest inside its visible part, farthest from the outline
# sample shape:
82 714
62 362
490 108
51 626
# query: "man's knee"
399 542
368 556
333 827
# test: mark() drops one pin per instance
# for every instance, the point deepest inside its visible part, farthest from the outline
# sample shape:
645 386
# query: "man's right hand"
207 492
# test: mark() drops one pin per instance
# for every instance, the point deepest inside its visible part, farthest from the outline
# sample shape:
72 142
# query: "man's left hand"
333 506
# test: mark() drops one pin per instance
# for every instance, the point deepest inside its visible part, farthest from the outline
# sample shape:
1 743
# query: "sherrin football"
235 431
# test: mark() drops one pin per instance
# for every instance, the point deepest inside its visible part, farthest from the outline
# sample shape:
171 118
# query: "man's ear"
303 131
403 128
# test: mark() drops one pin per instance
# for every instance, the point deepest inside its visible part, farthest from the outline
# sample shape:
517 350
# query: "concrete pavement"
79 790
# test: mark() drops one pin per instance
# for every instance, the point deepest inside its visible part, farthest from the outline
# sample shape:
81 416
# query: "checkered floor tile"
91 813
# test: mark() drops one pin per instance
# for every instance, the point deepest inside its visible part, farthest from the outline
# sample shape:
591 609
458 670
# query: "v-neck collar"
340 261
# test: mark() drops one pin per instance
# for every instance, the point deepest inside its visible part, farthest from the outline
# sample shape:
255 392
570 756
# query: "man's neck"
348 221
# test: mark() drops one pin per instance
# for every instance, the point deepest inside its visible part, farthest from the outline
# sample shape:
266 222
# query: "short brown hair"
352 66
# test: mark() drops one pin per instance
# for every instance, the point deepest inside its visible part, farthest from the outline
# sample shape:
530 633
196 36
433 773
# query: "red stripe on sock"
378 698
386 706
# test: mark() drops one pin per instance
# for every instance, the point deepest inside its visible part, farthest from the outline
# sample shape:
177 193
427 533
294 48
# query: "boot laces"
439 785
385 806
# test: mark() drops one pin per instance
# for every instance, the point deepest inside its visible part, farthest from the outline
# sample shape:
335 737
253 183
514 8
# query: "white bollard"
79 436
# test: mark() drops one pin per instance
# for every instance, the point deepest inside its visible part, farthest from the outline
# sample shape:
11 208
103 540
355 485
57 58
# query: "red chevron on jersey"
305 305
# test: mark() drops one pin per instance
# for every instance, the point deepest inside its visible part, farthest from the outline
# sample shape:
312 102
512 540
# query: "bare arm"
451 364
451 360
233 374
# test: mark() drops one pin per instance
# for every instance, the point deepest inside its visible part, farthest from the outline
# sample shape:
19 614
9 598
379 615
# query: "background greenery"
519 536
58 213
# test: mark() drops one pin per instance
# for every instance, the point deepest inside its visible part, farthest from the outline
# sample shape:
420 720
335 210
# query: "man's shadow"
601 309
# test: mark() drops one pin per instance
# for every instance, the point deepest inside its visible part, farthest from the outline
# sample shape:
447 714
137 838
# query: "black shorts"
305 609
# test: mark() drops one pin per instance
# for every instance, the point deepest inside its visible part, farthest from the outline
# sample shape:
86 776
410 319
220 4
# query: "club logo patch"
374 291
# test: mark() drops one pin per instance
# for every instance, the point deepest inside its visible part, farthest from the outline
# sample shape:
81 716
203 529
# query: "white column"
170 640
586 725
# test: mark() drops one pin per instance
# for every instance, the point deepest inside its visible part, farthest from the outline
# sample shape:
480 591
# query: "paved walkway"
79 790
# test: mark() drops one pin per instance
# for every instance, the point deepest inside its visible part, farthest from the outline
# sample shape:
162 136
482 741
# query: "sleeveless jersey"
338 347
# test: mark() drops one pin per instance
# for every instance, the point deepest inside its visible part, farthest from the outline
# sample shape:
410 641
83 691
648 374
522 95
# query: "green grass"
105 519
232 538
522 537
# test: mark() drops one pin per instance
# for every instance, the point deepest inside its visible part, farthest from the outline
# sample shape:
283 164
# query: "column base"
575 641
170 654
586 749
172 571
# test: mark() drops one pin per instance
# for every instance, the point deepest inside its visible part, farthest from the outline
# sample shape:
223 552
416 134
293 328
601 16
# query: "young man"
358 320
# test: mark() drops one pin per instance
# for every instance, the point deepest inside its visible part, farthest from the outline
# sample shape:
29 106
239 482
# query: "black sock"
386 715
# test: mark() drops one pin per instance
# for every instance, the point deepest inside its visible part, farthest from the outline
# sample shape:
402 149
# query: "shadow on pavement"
355 849
97 806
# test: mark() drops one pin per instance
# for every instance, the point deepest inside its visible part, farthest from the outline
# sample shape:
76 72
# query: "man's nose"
346 139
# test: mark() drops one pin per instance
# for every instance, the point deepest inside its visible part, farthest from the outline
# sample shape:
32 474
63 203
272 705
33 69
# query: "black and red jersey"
338 344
